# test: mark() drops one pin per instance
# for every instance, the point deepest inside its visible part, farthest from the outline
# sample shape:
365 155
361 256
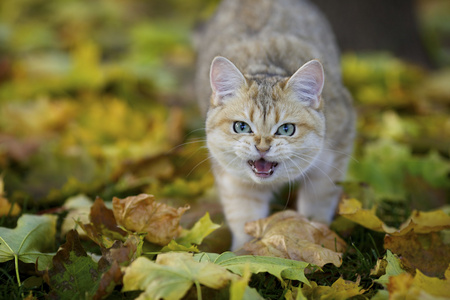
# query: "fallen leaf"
426 252
405 286
420 222
79 208
239 289
278 267
33 236
289 235
108 281
201 229
392 267
103 228
172 275
74 274
121 254
340 289
143 214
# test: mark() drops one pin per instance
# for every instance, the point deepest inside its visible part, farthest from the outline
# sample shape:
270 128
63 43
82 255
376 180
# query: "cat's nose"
262 150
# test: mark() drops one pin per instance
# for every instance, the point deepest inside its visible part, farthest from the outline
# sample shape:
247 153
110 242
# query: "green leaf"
278 267
201 229
393 268
27 242
172 275
74 274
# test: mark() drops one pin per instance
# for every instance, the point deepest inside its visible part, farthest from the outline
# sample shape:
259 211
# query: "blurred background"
96 97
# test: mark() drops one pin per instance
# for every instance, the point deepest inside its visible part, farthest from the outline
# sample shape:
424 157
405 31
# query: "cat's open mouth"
262 168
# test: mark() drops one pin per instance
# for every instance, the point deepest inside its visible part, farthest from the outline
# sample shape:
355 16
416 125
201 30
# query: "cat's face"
262 132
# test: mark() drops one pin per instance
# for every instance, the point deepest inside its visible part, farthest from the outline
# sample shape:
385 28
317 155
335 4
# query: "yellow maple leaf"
340 289
420 222
405 286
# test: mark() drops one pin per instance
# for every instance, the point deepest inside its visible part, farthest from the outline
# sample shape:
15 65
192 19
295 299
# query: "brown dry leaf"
426 252
143 214
119 255
405 286
420 222
289 235
103 228
340 289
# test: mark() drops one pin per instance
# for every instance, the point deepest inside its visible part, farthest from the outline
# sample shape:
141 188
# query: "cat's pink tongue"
263 166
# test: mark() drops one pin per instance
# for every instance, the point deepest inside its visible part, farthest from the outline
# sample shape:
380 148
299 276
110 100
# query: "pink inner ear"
307 83
225 78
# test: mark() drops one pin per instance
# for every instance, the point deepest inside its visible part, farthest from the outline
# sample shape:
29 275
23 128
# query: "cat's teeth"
262 168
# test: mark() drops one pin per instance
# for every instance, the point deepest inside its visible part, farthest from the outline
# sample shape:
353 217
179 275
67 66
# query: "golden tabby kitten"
276 108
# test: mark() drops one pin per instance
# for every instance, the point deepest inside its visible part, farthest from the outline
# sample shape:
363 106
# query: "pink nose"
262 150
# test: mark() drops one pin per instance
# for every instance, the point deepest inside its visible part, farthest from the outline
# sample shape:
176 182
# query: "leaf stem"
16 263
199 290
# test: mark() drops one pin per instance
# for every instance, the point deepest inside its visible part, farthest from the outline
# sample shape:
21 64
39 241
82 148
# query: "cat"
269 80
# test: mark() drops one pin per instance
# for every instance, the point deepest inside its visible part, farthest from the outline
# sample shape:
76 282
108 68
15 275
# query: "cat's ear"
225 79
307 83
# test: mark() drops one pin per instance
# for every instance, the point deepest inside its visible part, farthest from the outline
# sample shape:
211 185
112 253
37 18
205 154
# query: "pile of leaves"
96 102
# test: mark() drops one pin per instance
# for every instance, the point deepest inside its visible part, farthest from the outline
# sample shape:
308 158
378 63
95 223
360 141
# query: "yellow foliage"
420 222
340 289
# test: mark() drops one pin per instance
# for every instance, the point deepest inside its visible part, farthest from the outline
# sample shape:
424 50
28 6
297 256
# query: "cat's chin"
262 168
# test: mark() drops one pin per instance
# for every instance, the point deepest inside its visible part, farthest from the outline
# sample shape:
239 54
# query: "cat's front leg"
319 194
242 202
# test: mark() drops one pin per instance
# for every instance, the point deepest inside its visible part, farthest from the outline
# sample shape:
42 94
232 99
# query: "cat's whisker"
313 165
330 150
190 142
322 161
197 165
289 187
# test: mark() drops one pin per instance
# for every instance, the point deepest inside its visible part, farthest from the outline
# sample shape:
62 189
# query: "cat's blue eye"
241 127
287 129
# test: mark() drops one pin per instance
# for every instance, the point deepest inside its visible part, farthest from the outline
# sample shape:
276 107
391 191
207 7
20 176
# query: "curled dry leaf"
143 214
289 235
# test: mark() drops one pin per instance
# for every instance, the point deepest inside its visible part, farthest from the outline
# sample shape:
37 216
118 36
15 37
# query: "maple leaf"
189 239
103 228
426 252
405 286
79 207
420 222
278 267
289 235
74 274
27 242
340 289
172 275
142 213
121 254
388 266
